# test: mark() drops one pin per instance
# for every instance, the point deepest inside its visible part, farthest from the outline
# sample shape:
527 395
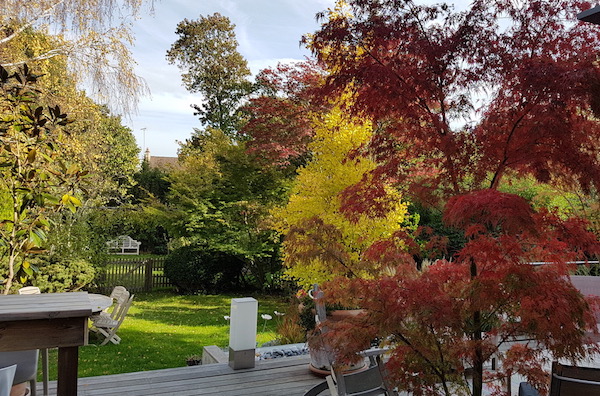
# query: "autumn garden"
414 167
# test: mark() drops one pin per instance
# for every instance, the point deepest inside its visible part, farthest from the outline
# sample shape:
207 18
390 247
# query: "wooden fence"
136 274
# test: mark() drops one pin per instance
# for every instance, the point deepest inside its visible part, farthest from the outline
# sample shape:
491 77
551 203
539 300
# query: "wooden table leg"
68 360
45 374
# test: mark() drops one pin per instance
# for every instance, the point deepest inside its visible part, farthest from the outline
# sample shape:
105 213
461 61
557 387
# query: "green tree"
223 197
146 223
150 183
116 158
35 177
206 52
97 141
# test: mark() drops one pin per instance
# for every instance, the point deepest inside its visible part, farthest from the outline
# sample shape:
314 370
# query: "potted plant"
320 356
194 360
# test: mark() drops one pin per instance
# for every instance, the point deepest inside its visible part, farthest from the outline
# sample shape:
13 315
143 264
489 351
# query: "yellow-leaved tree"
320 241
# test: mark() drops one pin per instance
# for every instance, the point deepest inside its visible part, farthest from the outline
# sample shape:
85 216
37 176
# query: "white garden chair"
107 326
120 295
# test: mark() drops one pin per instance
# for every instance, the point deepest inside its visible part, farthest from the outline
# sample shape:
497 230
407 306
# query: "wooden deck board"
285 376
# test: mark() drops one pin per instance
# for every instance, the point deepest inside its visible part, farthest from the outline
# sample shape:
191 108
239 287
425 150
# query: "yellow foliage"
316 195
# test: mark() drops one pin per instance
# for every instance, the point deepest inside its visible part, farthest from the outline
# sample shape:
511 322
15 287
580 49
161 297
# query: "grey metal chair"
574 381
525 389
568 381
26 362
7 374
370 382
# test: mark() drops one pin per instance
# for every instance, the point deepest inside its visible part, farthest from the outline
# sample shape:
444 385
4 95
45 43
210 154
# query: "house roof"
161 162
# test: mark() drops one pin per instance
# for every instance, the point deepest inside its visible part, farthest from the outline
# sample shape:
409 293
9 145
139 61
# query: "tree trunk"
478 358
477 380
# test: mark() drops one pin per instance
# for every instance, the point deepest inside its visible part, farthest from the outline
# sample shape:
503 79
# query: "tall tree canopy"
206 51
97 141
459 100
462 93
279 125
94 35
223 196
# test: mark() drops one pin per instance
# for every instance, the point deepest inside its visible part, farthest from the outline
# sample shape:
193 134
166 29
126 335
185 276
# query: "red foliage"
279 127
428 319
489 210
429 316
419 72
422 74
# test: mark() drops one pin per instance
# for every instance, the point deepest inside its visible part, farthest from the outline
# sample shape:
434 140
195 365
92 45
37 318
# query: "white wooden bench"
123 244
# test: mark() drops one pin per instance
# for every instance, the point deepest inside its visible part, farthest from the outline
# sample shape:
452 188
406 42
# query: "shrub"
289 329
63 275
195 269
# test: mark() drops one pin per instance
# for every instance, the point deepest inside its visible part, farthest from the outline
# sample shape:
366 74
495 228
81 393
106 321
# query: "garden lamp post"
242 332
592 15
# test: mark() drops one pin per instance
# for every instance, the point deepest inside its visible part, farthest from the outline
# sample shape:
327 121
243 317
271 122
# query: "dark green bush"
194 269
62 274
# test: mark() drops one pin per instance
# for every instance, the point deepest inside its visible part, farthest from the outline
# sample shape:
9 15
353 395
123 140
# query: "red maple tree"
279 125
461 99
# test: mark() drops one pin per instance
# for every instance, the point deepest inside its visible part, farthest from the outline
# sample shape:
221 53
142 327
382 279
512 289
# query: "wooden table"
99 302
49 320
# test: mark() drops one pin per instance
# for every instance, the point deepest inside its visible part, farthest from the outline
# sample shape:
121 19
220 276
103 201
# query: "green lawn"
162 329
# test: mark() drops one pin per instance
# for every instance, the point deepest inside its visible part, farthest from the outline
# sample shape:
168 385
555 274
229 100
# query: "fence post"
148 281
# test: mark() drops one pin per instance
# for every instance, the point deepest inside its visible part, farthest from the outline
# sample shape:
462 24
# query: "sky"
268 32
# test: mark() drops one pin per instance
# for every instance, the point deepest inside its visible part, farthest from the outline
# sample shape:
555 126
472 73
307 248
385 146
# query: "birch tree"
94 35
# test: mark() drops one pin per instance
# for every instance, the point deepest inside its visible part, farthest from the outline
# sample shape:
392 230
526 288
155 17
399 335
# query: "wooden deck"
285 376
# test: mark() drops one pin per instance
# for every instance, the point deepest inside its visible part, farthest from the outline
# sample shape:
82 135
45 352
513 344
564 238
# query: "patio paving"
285 376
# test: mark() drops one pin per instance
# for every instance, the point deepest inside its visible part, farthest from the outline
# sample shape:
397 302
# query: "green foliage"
206 51
540 195
73 237
588 270
116 158
97 141
431 217
194 269
34 173
223 197
148 225
58 274
150 183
